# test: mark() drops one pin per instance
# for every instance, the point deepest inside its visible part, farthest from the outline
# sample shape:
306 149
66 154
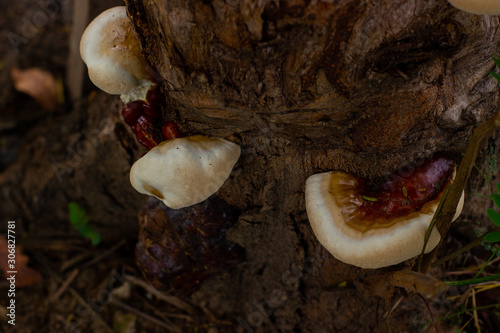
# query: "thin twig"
75 74
64 286
469 271
476 319
393 307
103 255
467 323
171 328
41 259
467 247
485 286
430 312
473 281
467 310
179 316
430 229
486 263
169 299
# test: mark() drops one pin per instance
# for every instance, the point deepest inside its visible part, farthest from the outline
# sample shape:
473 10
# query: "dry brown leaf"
417 282
384 284
25 276
39 84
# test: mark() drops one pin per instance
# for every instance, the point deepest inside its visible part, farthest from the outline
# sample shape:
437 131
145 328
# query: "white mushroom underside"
185 171
487 7
374 248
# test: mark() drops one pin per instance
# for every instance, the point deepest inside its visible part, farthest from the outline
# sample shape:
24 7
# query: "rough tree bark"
363 86
306 86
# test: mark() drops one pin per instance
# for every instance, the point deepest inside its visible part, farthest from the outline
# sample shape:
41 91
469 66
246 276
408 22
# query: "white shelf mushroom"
366 239
113 55
482 7
185 171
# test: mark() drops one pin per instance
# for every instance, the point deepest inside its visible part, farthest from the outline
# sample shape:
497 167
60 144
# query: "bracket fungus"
378 225
180 171
482 7
113 55
184 171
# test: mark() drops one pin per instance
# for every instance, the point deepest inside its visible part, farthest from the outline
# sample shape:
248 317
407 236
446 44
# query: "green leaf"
79 220
496 199
96 239
498 187
494 216
80 224
492 237
497 61
496 76
77 215
368 198
405 192
89 233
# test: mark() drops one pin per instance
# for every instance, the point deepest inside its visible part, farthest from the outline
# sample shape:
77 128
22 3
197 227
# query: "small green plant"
79 220
491 237
496 59
494 217
485 283
490 240
491 167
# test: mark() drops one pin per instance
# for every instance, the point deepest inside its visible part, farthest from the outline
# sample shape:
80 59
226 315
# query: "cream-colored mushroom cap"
372 248
112 53
482 7
185 171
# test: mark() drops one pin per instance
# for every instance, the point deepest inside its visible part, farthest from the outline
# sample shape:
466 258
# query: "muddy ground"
87 288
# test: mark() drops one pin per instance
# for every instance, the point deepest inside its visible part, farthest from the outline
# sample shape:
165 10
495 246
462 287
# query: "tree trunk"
363 86
303 87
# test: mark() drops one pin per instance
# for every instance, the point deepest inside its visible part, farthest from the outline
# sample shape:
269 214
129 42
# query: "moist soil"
82 152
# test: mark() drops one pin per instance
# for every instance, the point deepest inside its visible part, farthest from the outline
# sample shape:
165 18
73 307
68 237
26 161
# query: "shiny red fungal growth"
144 117
179 249
146 133
406 192
153 111
142 124
171 131
132 111
154 96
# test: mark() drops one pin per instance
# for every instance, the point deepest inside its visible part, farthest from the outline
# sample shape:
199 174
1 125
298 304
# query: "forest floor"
72 286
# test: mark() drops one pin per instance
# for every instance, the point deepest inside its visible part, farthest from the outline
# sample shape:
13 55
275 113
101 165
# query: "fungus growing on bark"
382 223
145 119
180 248
179 171
113 55
185 171
482 7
